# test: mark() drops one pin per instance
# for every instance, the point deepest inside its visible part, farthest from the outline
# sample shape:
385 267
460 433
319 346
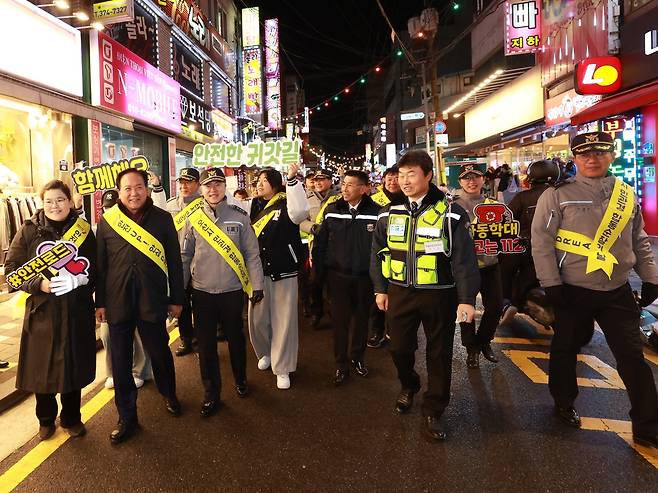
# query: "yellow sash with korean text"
137 236
181 218
320 217
259 225
597 249
223 245
380 197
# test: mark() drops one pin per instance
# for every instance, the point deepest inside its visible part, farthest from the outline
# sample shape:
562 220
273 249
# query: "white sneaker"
138 382
264 363
109 383
283 381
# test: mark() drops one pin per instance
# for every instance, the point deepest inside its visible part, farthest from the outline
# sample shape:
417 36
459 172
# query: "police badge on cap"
469 169
212 174
189 174
592 142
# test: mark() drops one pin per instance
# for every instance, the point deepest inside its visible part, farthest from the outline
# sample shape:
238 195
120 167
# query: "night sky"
331 44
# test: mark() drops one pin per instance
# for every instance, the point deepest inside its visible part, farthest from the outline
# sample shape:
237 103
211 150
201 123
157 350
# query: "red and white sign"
561 108
522 26
95 153
123 82
600 75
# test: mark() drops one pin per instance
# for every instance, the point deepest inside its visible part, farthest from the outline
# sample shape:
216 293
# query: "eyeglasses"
470 178
51 203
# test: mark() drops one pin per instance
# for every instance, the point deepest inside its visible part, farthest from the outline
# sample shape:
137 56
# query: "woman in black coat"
58 342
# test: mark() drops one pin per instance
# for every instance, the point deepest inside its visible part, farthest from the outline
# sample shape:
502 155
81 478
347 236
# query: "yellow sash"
223 245
181 218
320 217
380 198
597 250
137 236
259 225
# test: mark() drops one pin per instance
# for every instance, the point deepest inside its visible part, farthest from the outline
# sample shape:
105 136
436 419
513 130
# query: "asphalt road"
314 437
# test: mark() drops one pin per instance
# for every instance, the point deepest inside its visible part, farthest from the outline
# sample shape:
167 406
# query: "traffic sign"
439 127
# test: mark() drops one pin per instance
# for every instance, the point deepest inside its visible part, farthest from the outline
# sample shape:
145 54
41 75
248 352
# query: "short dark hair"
56 185
417 158
362 176
273 177
393 170
140 172
242 192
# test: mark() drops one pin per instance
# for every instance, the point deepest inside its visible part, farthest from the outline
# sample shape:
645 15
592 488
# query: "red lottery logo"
600 75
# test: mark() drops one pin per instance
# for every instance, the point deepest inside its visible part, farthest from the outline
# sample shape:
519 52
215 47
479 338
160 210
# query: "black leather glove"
649 293
315 229
257 297
556 296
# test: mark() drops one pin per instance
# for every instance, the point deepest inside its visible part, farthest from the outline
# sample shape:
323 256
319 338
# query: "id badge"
397 226
434 247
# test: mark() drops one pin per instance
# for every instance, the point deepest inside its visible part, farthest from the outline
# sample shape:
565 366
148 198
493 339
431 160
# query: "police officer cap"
322 175
592 142
544 171
469 169
310 174
110 197
189 174
212 174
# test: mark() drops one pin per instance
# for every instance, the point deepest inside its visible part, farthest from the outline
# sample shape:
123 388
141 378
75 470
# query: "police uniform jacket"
458 264
468 201
344 242
315 203
579 205
176 204
205 267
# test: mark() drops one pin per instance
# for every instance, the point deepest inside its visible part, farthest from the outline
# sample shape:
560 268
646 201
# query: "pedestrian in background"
342 253
58 340
273 324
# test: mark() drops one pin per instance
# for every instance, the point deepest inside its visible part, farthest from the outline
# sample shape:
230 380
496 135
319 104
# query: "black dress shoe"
472 357
209 408
173 406
646 440
433 429
359 368
183 349
340 376
4 364
125 429
568 415
405 400
488 353
242 389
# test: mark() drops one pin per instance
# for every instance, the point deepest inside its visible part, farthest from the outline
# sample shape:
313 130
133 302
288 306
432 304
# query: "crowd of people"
390 259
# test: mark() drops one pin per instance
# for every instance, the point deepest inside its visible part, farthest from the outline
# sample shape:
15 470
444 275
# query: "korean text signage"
272 73
280 153
560 109
113 11
198 114
600 75
639 48
186 68
412 116
123 82
253 94
104 176
139 35
495 230
250 27
627 166
522 26
55 256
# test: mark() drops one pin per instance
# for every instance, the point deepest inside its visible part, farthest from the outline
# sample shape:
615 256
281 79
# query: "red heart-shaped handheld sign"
78 266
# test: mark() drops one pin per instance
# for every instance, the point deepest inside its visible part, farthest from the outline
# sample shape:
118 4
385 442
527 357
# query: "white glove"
65 283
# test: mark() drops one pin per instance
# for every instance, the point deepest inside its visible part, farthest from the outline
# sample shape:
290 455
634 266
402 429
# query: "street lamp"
59 4
81 16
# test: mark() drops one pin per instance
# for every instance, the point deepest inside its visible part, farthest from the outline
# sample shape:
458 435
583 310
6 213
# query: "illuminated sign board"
253 94
627 134
113 11
412 116
522 27
272 74
250 27
560 109
600 75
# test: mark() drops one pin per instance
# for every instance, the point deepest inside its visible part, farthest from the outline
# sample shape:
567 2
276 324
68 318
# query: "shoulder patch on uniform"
237 208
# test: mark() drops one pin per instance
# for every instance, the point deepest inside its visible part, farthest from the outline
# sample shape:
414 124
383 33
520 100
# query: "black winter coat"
131 286
344 242
58 342
523 207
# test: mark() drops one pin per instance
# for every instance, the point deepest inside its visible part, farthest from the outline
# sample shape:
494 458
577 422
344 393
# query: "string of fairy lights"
333 162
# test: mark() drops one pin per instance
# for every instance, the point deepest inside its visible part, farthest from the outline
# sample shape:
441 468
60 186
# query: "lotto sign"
104 176
283 152
495 230
600 75
522 27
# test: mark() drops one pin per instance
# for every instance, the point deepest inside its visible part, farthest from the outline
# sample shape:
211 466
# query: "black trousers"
303 279
47 408
351 299
155 340
492 299
618 316
209 310
185 320
377 320
518 276
436 309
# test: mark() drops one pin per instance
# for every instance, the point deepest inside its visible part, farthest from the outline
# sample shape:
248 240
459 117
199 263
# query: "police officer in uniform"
424 269
217 289
587 234
471 181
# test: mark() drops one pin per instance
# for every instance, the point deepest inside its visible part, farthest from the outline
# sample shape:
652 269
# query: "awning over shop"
619 103
501 138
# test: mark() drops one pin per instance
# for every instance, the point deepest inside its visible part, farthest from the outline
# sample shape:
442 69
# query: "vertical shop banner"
272 74
253 94
113 11
196 113
123 82
171 148
522 27
627 134
139 35
186 68
96 155
307 118
250 27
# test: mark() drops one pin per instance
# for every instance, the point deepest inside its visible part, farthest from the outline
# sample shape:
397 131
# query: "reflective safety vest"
416 252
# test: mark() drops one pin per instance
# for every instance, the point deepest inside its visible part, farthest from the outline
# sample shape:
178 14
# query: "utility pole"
438 150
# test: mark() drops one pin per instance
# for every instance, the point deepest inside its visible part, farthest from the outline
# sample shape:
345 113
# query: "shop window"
120 144
221 94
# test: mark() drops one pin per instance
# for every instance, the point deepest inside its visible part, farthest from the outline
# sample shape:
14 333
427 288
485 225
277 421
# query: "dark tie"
414 207
353 211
